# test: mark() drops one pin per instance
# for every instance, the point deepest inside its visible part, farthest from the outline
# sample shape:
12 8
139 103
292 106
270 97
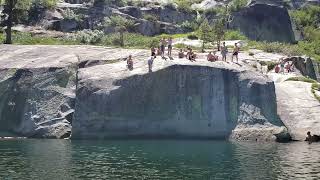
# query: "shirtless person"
212 57
236 51
130 63
191 56
181 54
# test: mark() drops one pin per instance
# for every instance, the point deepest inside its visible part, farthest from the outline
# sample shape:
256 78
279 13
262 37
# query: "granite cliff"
52 91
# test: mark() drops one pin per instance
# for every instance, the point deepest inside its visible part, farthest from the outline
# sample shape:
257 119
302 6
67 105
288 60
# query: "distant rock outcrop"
264 21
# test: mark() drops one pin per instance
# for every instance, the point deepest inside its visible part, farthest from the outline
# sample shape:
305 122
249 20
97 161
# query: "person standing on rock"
130 63
236 51
170 47
224 52
162 46
150 63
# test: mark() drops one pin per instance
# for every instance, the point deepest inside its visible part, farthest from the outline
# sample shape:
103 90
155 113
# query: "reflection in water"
63 159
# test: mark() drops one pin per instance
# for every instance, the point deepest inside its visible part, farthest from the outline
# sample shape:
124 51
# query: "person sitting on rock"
130 63
212 57
153 51
311 139
181 54
191 56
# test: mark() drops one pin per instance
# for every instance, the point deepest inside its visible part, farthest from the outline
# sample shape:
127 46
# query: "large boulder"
256 22
132 11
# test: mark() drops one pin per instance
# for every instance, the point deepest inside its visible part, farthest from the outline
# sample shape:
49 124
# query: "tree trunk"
121 39
9 23
203 46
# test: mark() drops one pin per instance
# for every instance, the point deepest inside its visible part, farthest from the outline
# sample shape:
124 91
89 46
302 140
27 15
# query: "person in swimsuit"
235 52
130 63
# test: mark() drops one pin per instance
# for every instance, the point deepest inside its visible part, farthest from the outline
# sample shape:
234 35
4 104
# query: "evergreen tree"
205 33
121 25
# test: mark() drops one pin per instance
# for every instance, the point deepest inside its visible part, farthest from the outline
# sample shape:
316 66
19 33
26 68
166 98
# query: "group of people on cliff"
187 53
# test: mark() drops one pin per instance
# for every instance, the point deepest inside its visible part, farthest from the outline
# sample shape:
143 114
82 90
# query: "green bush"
88 37
185 5
302 79
190 25
307 16
110 2
234 35
29 39
192 36
47 4
236 5
271 65
276 47
150 17
71 15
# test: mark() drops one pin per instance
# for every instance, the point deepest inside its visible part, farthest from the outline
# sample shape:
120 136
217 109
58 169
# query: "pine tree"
205 33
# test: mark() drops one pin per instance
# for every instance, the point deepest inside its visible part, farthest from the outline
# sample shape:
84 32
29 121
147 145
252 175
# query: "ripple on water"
58 159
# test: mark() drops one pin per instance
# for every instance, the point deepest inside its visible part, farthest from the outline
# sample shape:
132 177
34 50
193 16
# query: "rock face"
298 109
256 22
37 93
179 99
35 101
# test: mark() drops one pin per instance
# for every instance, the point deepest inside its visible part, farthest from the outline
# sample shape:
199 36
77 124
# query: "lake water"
159 159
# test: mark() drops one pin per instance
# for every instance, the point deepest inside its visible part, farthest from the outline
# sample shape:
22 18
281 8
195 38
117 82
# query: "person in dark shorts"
170 47
235 53
130 63
162 46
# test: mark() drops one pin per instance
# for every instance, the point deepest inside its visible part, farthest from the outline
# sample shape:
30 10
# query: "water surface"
159 159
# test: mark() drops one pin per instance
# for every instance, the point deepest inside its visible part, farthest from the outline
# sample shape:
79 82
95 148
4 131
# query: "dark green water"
146 159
